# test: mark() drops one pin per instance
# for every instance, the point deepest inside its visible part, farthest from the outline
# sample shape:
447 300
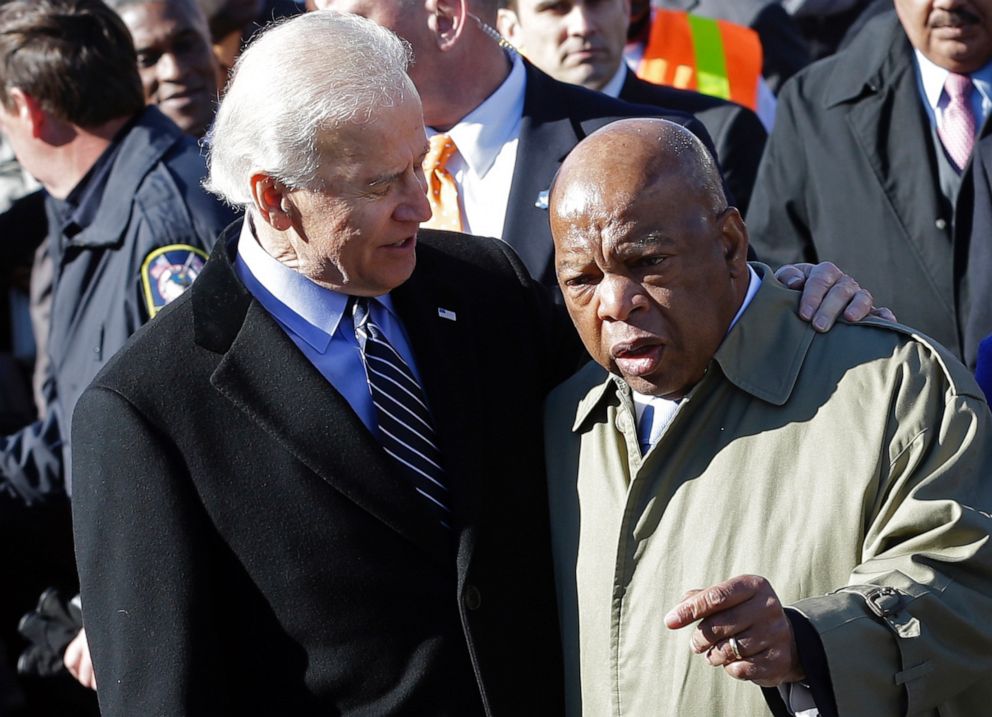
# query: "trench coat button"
472 598
941 223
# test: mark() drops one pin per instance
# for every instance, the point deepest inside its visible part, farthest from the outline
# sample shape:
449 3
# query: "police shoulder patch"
167 272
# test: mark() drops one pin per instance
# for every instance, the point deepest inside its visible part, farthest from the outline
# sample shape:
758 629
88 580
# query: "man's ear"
508 25
29 112
272 201
733 236
448 22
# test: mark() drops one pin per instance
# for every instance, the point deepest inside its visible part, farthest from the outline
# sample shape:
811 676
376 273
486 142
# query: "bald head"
650 259
625 158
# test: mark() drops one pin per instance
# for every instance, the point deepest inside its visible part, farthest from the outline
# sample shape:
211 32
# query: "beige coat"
829 464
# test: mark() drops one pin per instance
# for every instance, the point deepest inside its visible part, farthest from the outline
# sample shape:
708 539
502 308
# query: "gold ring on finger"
735 647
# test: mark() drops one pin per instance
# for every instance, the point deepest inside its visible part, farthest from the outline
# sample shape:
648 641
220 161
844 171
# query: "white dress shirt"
930 81
482 167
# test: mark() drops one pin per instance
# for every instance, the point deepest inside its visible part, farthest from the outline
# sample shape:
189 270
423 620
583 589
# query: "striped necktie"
406 430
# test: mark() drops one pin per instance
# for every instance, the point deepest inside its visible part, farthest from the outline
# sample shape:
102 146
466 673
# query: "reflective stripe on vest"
714 57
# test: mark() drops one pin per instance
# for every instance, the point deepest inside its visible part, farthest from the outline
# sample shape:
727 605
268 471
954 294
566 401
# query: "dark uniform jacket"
850 175
147 197
245 547
737 133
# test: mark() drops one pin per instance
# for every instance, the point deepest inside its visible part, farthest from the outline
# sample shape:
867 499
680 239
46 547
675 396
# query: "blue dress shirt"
315 319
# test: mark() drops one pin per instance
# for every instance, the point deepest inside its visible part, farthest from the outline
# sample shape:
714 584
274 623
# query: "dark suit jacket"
245 547
973 251
736 131
557 116
850 175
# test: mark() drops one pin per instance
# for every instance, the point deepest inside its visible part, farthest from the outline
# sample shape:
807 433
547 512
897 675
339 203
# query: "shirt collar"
613 87
481 134
311 311
933 76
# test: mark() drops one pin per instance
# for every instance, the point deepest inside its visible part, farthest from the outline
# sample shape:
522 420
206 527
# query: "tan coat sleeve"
925 638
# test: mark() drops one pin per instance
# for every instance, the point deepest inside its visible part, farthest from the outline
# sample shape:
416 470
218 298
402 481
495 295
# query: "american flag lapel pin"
447 314
542 199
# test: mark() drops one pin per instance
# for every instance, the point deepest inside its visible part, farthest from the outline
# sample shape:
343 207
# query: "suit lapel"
272 383
547 135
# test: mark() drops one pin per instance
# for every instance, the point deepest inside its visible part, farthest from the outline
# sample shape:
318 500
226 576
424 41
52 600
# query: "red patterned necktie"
957 123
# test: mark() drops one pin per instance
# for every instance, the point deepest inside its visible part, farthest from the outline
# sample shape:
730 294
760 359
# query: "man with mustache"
870 164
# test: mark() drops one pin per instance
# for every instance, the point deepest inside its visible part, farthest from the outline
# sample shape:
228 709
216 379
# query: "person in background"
177 67
582 42
870 165
234 22
785 50
128 223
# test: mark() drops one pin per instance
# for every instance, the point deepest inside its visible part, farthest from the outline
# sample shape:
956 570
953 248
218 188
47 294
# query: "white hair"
299 78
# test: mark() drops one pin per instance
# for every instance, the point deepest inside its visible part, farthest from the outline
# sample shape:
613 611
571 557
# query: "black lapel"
891 126
441 324
547 135
267 378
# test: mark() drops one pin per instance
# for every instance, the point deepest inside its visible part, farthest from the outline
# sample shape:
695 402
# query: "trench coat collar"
871 64
762 355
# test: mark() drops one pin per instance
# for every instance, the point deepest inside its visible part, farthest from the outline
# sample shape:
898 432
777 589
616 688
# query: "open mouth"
637 358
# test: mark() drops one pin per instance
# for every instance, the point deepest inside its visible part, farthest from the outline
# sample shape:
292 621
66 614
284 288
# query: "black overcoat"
245 548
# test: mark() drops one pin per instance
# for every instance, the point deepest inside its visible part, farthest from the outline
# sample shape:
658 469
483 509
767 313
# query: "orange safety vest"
714 57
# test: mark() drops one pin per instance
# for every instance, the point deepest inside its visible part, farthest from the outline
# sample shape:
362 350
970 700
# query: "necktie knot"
442 147
956 127
958 87
442 191
358 307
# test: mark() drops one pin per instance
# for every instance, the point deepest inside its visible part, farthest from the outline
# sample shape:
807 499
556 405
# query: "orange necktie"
442 192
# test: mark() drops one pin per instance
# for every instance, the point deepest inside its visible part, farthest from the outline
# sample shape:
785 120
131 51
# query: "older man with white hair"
314 486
